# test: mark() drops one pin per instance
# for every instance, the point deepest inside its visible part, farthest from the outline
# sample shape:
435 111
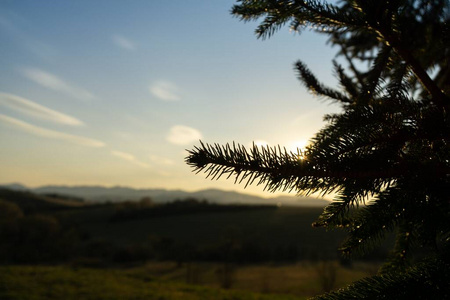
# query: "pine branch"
389 33
299 13
373 221
343 154
427 280
438 96
336 214
278 169
272 166
345 52
398 87
346 82
311 82
373 77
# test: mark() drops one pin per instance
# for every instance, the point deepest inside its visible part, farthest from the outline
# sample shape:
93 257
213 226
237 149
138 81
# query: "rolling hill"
118 194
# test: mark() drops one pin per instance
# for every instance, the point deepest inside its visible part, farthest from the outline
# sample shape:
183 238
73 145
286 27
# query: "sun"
298 145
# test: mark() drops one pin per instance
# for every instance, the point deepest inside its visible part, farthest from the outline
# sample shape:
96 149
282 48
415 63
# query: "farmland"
185 249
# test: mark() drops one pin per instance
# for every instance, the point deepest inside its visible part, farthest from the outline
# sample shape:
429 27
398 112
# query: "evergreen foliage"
386 156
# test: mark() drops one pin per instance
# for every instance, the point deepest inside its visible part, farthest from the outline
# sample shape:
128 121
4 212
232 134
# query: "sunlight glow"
260 143
298 145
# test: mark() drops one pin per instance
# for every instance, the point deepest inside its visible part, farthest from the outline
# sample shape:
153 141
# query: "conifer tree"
386 157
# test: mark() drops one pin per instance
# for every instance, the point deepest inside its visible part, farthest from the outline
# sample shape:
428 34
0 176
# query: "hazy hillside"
187 229
32 203
117 194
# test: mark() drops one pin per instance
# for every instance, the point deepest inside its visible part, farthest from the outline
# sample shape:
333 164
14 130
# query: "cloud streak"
130 158
36 110
164 90
51 134
55 83
183 135
123 42
161 160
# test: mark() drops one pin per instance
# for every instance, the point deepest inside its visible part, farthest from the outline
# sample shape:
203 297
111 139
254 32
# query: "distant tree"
9 211
10 216
146 202
386 157
37 240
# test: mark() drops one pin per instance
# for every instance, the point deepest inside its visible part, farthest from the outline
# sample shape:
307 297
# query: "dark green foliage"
386 157
9 211
30 234
134 211
192 230
427 280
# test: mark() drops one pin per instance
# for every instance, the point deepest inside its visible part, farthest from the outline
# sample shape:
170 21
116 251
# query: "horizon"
266 195
107 93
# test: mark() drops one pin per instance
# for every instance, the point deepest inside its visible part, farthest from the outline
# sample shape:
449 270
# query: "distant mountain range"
118 194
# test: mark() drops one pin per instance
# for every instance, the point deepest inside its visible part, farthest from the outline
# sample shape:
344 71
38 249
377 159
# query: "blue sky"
112 92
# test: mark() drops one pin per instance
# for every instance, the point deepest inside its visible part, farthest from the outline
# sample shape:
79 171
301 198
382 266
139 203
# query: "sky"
112 92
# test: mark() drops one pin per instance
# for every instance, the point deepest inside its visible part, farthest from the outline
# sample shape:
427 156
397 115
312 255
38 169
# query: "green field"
167 281
39 283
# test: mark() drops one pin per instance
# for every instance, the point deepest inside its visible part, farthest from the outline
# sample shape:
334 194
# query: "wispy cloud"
129 157
164 90
36 110
183 135
123 42
161 160
56 83
52 134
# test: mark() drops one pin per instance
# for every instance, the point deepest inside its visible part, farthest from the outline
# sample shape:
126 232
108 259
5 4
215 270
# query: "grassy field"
303 279
166 280
58 282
